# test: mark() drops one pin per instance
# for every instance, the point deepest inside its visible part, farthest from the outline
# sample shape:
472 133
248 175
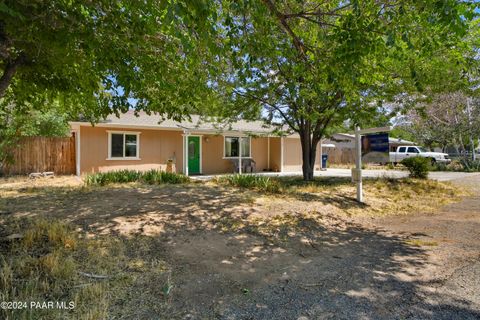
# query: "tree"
16 123
448 119
99 57
314 64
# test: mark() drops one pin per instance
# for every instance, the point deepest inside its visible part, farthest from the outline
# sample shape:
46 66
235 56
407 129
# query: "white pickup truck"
404 152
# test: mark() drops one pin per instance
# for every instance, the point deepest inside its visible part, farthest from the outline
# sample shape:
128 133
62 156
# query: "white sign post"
357 171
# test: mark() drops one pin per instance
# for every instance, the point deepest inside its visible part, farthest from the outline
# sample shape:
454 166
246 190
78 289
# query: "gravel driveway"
311 262
408 267
337 172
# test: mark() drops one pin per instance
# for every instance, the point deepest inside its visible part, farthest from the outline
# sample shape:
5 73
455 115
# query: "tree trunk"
472 147
309 150
9 72
307 167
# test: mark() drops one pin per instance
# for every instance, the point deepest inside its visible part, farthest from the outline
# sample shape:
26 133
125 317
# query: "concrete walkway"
335 172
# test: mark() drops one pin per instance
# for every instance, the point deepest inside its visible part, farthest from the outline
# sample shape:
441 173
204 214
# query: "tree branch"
284 116
299 45
9 72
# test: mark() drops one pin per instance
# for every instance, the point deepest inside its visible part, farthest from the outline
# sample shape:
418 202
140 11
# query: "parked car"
404 152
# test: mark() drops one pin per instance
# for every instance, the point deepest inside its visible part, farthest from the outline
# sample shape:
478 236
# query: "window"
412 150
191 150
232 147
123 145
401 149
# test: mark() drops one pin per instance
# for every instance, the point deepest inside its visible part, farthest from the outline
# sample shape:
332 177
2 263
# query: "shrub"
460 165
417 166
125 176
158 177
121 176
440 166
249 181
470 165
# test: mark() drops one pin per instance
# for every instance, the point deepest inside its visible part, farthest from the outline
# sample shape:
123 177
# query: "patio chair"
234 163
248 165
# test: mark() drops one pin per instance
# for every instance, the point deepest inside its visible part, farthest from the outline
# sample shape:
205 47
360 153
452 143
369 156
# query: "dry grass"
367 166
421 243
46 263
53 262
18 182
382 196
408 196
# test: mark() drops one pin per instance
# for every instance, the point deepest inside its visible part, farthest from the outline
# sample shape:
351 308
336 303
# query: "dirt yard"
312 254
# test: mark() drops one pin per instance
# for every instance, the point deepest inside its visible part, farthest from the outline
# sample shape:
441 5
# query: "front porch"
210 154
234 152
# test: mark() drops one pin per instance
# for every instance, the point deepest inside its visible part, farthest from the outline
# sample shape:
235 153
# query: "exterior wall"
292 156
156 147
341 141
213 161
275 154
260 153
212 155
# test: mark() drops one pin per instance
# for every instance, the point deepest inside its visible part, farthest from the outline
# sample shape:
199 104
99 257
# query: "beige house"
144 142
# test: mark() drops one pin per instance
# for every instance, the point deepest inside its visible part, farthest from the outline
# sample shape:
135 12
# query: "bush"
417 166
470 165
460 165
159 177
390 166
125 176
249 181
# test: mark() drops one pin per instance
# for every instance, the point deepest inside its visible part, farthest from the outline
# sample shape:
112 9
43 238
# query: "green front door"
193 155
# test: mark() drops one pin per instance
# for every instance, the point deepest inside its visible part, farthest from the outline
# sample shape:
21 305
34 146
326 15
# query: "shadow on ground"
225 265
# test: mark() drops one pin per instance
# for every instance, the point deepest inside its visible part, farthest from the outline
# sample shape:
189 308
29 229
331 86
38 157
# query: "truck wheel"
433 161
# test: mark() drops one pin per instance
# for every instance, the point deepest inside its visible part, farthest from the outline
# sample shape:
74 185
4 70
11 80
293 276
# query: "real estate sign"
375 148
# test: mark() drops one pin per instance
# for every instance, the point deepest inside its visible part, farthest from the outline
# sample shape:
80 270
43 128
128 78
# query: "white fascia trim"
124 126
152 127
124 131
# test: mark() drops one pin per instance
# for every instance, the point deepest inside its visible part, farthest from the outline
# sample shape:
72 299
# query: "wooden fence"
340 156
40 154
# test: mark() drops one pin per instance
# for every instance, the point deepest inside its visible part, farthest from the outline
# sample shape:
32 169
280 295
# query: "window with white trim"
232 147
123 145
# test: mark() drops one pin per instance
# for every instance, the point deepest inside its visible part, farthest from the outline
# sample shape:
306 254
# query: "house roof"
154 121
400 141
390 139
